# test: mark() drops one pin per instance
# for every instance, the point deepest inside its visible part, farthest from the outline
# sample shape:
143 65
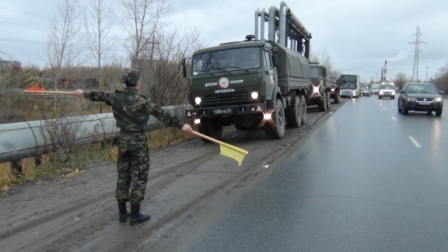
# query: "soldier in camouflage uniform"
131 112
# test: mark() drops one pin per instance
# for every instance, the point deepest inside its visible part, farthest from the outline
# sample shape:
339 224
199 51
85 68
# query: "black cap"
131 77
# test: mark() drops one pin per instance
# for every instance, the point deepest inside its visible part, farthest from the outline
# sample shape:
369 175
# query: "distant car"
386 90
374 90
365 92
420 97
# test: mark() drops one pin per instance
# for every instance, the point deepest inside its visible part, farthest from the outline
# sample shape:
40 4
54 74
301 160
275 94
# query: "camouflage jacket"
131 110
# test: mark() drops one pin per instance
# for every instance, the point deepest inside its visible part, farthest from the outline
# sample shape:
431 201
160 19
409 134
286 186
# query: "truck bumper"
227 111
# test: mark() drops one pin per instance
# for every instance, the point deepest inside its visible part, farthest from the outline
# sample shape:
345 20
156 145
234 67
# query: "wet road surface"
366 179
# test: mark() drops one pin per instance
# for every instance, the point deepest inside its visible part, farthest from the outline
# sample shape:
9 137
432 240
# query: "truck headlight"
198 100
254 95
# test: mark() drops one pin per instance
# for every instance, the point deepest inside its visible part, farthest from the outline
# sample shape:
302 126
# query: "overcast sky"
358 35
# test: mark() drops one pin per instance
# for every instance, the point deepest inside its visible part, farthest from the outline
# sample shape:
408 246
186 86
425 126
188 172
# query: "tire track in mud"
12 229
82 234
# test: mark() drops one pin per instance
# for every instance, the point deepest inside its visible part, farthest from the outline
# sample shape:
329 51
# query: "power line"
21 23
20 40
24 12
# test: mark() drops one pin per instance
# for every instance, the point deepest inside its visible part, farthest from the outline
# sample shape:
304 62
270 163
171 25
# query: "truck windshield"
314 72
226 60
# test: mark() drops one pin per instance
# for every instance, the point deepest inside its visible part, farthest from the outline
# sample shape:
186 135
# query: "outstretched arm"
94 96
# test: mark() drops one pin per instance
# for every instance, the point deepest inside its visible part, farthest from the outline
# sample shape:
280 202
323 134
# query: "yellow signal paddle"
226 149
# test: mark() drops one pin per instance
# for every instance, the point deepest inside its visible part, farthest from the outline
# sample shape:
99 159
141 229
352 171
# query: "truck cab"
232 83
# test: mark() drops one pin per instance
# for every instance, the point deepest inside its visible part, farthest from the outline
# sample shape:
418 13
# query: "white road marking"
393 118
415 142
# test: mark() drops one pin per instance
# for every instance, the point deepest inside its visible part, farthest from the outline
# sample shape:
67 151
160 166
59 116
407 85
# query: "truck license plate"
225 111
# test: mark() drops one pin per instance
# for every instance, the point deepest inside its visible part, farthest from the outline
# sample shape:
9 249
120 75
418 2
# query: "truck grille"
226 99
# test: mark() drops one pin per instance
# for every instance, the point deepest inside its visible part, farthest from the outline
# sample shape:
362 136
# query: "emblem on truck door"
223 83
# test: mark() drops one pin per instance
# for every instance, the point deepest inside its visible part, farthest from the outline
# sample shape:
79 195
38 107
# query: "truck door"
270 75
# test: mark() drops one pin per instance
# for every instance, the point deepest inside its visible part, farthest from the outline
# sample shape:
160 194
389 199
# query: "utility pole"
426 74
417 51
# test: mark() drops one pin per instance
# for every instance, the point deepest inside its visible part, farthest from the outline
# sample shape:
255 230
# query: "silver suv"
386 90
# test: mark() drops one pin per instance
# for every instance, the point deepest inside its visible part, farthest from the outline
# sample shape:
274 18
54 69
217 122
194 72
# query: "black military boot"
124 215
136 216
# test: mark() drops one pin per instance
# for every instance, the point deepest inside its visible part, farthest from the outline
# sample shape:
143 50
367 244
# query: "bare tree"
61 44
400 80
144 20
441 79
98 36
170 87
324 59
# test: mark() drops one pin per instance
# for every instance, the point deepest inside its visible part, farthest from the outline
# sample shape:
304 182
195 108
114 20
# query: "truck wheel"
211 129
337 97
304 108
322 103
294 115
275 128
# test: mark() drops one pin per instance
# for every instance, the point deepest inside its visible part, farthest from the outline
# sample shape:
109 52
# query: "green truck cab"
323 88
251 84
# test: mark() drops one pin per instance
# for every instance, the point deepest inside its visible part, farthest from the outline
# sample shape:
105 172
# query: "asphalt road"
366 179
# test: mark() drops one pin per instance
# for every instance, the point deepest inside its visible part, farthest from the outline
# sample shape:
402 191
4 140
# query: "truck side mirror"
184 68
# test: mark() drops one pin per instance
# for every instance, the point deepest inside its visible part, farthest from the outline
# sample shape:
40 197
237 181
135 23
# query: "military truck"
322 87
335 89
255 83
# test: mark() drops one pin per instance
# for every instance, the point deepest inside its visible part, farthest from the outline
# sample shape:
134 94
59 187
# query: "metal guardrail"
33 138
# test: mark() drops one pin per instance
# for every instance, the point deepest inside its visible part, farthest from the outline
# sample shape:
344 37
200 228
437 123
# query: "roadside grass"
81 156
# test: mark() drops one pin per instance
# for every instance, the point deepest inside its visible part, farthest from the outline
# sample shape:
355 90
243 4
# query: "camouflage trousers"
132 168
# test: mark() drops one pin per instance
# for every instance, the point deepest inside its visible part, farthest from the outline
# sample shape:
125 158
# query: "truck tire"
210 128
294 115
275 128
322 103
304 108
337 97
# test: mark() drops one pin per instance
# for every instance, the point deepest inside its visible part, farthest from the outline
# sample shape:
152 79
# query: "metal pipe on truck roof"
294 20
273 14
257 13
